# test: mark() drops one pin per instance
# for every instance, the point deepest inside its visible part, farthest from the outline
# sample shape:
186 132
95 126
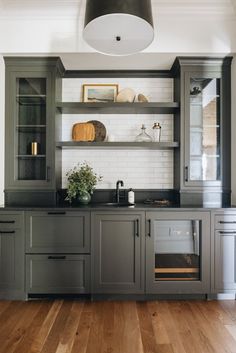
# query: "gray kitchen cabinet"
224 253
204 124
118 252
57 232
32 88
57 274
57 252
11 255
178 252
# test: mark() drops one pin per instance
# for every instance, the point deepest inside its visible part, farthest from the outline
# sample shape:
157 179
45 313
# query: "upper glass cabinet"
31 125
29 119
203 129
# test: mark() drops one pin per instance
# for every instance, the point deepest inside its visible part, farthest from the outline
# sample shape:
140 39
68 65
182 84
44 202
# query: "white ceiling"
54 27
65 8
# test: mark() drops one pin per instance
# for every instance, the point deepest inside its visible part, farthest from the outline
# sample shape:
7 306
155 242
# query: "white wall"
140 169
2 127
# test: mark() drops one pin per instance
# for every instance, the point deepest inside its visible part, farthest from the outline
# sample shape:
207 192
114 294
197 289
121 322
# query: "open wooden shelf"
118 108
177 270
119 145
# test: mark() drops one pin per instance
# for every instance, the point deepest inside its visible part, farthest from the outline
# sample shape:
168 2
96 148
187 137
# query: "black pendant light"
117 27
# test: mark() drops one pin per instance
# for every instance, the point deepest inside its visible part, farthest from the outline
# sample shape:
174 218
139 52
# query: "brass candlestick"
34 148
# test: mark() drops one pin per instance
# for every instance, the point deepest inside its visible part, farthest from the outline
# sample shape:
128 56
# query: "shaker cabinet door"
117 265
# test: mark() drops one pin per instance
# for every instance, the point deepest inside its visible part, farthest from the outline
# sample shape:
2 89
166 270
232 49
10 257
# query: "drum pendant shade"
117 27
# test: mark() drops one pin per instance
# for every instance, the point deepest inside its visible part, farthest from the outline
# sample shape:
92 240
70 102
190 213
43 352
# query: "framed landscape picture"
100 93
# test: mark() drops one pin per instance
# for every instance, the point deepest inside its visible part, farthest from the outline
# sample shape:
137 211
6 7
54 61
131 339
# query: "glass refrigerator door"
177 250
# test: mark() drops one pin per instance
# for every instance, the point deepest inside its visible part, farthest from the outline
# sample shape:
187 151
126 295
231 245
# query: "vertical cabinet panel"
178 252
225 271
224 252
11 256
118 253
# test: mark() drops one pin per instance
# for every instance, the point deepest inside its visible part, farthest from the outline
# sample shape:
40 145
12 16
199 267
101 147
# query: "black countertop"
102 207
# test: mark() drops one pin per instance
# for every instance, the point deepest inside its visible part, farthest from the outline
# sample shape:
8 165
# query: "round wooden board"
100 130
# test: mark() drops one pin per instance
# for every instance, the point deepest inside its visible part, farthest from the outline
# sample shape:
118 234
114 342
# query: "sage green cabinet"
57 252
32 88
202 164
58 232
177 252
11 255
57 274
117 252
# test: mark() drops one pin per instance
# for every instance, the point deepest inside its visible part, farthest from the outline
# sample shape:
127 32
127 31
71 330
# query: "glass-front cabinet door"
178 252
202 130
30 129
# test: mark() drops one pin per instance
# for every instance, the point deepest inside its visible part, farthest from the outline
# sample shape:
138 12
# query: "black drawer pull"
149 228
186 173
137 227
56 213
228 233
57 257
227 222
7 222
7 231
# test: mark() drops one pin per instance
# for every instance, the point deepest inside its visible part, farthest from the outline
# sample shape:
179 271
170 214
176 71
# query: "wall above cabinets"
122 158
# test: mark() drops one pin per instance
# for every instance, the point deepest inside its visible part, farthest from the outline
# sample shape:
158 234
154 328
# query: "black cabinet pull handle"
227 222
48 173
56 213
149 228
228 233
57 257
7 231
186 173
7 222
137 228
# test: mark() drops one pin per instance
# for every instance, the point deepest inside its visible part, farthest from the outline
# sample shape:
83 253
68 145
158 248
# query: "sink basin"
115 204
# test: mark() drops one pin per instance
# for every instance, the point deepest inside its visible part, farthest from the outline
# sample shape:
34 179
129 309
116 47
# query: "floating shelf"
119 145
27 156
118 108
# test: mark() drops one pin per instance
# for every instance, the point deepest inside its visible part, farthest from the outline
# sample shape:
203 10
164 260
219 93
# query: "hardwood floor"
118 327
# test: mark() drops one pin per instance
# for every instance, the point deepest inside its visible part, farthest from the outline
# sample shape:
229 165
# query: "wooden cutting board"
100 130
83 132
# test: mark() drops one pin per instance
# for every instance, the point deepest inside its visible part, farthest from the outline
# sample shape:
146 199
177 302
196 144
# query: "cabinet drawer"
57 274
225 221
11 221
65 232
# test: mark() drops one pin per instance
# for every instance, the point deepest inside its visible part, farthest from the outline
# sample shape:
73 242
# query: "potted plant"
81 183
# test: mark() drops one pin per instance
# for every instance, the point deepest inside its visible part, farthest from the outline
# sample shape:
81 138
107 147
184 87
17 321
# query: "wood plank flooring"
67 326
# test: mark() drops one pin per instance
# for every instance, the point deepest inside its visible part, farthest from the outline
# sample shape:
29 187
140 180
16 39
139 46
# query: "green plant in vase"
82 181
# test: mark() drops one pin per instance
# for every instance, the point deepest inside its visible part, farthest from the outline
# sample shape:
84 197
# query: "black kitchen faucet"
118 184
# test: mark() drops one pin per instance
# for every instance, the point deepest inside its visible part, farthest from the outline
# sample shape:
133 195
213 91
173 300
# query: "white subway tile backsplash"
141 169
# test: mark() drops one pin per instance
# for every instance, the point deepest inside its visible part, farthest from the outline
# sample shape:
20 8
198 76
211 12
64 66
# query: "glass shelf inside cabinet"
31 128
177 250
204 129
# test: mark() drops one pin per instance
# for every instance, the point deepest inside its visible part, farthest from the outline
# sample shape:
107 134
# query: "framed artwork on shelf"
103 93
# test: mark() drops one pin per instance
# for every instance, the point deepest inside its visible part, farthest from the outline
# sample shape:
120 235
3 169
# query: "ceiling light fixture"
118 27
